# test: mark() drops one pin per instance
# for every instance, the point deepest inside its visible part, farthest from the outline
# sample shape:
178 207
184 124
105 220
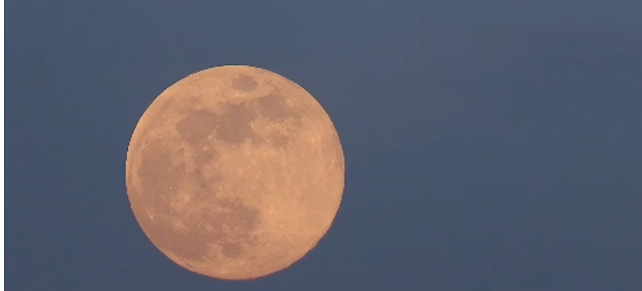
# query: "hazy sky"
490 145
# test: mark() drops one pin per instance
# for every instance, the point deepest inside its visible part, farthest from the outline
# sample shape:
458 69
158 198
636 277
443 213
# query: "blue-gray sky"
490 145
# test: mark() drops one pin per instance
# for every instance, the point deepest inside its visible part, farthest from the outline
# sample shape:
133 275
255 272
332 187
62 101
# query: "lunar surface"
235 172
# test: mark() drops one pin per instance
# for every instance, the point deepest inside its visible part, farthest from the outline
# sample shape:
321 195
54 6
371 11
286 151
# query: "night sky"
490 145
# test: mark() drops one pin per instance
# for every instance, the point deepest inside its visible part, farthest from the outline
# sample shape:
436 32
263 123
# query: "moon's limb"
235 172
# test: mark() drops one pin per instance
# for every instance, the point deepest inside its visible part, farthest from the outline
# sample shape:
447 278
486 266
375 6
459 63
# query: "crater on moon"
163 168
273 106
244 83
235 172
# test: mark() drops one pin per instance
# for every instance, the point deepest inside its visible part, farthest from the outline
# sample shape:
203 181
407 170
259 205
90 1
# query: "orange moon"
235 172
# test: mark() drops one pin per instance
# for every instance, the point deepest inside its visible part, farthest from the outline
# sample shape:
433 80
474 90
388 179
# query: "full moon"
235 172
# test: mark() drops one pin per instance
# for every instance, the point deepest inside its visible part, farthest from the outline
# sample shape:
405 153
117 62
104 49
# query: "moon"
235 172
